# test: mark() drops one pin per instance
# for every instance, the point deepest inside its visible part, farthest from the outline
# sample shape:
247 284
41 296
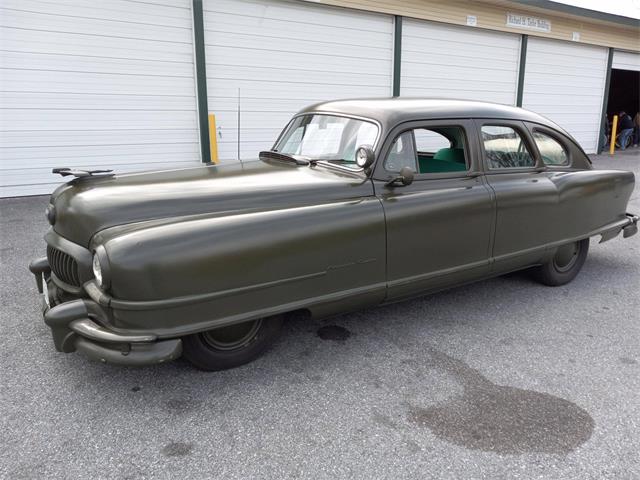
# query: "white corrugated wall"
283 56
94 85
565 82
458 62
112 84
626 61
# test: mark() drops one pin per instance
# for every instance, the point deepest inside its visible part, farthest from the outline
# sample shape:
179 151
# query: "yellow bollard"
614 130
213 139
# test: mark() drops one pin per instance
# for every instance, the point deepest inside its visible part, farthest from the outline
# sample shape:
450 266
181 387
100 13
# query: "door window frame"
470 149
520 128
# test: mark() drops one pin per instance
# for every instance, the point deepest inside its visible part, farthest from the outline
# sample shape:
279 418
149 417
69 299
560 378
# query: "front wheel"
232 346
565 264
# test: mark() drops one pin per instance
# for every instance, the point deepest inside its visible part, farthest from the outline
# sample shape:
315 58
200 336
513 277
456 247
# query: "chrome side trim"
438 273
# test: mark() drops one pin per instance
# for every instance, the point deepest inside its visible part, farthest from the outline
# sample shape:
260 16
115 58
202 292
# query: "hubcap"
233 336
566 257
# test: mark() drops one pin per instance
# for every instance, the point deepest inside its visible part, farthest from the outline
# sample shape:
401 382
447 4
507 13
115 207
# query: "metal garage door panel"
283 56
94 86
626 60
565 82
457 62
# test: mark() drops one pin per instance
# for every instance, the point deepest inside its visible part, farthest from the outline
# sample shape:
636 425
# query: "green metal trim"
524 40
397 54
201 81
605 100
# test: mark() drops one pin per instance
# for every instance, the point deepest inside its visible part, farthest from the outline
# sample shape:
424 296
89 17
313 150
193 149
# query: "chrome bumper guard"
41 269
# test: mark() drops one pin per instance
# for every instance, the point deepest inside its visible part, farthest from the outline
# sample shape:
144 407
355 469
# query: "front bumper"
79 324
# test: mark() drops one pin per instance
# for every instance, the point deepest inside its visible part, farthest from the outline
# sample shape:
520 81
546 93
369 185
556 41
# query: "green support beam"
523 64
201 81
605 101
397 54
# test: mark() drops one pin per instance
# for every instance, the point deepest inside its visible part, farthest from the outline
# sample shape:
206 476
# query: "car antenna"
239 126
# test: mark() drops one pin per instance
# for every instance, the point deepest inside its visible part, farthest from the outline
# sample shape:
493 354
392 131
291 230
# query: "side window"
551 151
505 148
430 141
440 149
402 154
437 150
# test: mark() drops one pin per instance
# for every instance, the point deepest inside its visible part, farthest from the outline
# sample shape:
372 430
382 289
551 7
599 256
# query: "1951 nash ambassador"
358 203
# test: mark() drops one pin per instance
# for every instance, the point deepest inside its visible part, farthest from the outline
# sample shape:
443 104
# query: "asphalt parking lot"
502 379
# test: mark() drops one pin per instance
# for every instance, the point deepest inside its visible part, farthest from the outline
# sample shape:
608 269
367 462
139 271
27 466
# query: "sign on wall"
530 23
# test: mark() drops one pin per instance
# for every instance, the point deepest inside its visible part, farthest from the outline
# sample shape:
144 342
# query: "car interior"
428 150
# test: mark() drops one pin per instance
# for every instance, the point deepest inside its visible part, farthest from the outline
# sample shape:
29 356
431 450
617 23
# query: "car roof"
394 110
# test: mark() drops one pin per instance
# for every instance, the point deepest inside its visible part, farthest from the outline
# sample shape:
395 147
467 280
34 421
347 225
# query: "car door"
439 227
526 200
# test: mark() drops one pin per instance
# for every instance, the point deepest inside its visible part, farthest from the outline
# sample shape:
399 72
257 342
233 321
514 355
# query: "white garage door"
457 62
279 57
94 85
626 60
565 82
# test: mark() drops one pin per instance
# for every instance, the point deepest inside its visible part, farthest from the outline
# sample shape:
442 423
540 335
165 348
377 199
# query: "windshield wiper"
281 157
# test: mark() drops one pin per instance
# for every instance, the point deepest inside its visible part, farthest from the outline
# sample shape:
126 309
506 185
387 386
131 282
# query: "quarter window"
551 151
402 154
505 148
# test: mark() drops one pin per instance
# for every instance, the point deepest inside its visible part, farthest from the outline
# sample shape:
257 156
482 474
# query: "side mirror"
405 178
365 156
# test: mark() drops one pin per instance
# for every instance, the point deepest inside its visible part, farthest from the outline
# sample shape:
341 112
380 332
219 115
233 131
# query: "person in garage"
626 129
636 130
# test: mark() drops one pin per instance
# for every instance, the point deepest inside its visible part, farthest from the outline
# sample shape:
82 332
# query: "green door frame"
524 39
201 81
397 54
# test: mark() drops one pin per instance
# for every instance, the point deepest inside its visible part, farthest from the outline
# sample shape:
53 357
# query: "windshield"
327 137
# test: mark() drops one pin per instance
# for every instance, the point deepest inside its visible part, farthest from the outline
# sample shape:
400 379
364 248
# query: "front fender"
197 270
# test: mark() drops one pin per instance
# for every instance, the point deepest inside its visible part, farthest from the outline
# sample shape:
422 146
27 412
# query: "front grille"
63 265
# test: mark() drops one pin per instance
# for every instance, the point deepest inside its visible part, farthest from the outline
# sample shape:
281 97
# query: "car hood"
84 207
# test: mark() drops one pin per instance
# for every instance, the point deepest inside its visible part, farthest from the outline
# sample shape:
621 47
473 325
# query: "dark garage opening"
624 92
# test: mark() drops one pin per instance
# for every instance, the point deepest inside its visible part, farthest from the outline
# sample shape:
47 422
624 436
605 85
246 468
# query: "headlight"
97 270
101 267
50 212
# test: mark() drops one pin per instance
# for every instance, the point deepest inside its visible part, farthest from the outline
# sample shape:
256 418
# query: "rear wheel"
565 264
231 346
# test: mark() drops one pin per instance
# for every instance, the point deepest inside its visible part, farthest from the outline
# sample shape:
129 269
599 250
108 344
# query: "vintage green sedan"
358 203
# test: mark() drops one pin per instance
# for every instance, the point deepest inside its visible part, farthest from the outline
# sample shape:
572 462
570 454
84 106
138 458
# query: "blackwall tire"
564 266
230 347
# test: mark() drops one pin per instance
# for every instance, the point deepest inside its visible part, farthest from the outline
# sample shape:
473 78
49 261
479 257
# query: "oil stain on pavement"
177 449
501 419
334 332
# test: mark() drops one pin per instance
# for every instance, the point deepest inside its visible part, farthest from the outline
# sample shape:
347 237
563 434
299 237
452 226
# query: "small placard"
575 36
530 23
472 20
